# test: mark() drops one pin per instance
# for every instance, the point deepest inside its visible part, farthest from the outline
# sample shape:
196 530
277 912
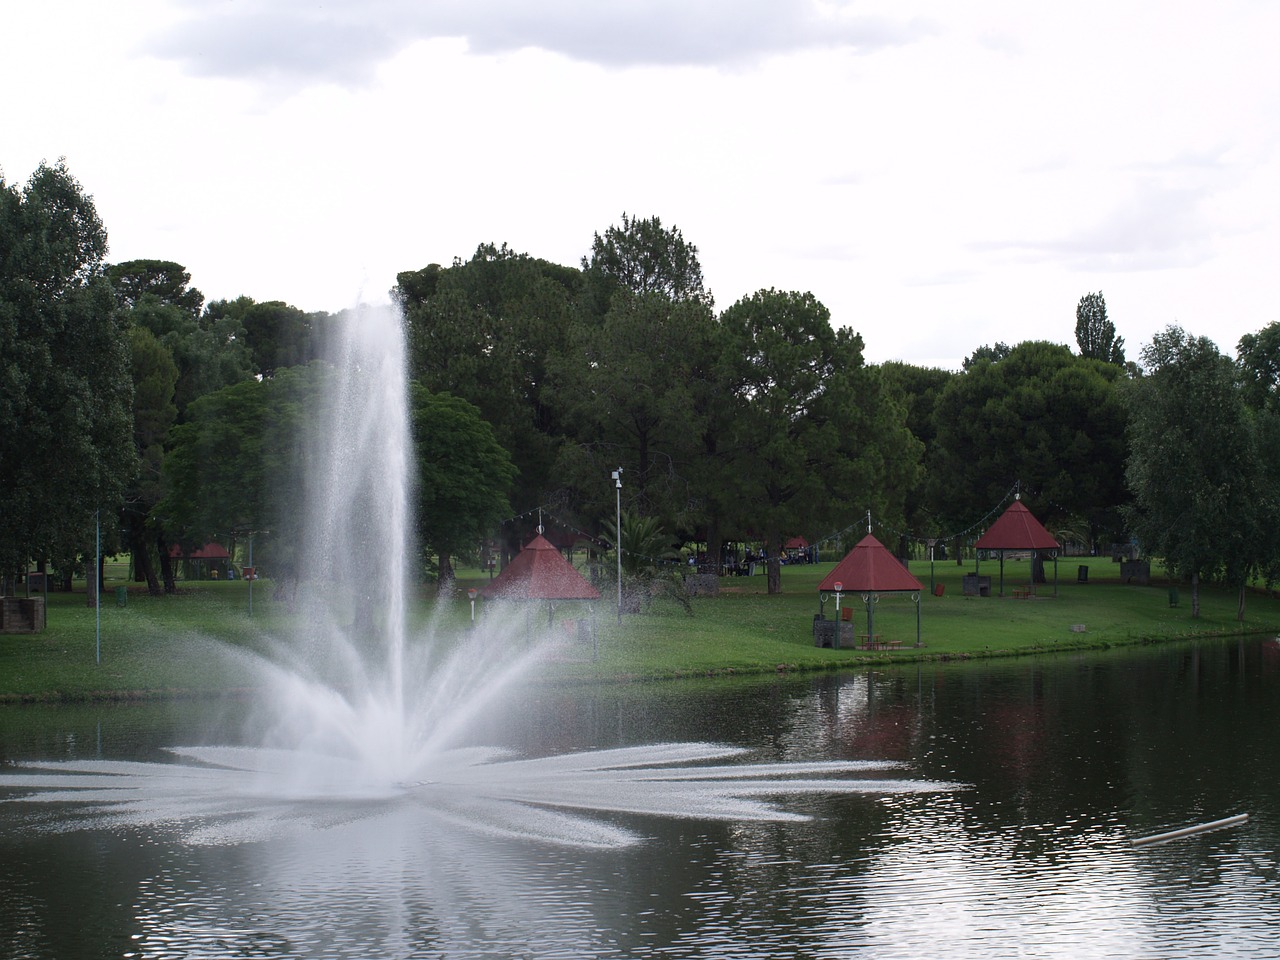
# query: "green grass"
172 646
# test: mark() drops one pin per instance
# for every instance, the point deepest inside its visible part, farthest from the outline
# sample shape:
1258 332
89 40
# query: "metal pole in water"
1190 831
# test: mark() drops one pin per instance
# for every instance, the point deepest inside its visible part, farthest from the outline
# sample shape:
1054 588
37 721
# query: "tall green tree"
239 465
210 349
634 381
155 377
163 280
1258 358
816 438
1040 416
463 476
918 390
275 334
630 390
1095 334
1193 465
643 257
485 330
66 391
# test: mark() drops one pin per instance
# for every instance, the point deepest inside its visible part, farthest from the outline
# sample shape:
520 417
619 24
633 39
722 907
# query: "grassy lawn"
171 646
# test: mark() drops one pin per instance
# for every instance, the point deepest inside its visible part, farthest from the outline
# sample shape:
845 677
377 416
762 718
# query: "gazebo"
869 569
1017 529
203 563
539 572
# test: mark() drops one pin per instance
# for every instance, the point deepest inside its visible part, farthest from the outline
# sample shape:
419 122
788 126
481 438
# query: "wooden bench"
869 642
1024 591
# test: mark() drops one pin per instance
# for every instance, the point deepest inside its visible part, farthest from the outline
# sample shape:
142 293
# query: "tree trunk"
715 544
773 566
92 582
446 573
166 567
1037 568
1195 596
146 569
1240 607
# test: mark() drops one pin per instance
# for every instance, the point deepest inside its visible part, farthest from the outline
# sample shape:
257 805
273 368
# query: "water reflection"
1068 759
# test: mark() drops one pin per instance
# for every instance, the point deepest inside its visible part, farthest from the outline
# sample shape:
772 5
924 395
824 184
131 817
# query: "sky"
940 175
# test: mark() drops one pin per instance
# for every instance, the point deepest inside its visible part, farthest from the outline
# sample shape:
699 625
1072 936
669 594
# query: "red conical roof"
1017 529
870 568
539 572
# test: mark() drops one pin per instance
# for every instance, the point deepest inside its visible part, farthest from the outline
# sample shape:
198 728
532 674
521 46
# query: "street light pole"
617 533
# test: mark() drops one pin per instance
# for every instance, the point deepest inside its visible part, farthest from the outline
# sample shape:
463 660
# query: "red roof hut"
203 563
539 572
870 569
1017 529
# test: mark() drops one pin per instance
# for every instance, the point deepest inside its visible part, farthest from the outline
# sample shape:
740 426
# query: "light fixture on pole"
839 588
617 532
472 594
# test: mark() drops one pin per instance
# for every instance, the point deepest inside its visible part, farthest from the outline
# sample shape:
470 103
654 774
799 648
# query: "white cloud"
300 43
940 176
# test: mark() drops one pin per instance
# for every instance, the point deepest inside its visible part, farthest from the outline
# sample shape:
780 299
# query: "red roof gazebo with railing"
1018 529
869 569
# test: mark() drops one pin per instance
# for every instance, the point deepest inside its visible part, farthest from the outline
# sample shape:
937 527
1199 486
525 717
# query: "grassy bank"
171 646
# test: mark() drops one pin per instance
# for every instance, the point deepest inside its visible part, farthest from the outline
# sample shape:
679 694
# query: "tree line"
125 395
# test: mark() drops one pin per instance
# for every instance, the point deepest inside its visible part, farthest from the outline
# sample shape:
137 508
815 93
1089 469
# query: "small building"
210 562
1017 530
867 571
539 573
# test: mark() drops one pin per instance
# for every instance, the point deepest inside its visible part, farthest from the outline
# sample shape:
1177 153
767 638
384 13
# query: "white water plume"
359 718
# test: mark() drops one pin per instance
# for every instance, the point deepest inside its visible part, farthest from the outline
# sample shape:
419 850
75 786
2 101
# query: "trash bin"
1082 574
122 596
1173 596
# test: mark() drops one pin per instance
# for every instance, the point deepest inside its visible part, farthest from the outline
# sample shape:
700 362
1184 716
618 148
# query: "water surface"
1058 764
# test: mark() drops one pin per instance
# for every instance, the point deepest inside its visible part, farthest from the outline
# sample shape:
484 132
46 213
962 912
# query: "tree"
649 561
816 439
239 465
463 476
66 395
1258 358
1193 468
987 354
162 280
918 390
629 389
155 376
276 334
485 330
211 349
1095 334
1041 416
643 257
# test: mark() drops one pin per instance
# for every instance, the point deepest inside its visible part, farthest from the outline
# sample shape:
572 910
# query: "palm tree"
649 562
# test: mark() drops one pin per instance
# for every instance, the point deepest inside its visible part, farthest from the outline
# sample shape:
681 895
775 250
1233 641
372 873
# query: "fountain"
361 720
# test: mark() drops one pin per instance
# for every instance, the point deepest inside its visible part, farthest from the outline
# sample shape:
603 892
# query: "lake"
1050 768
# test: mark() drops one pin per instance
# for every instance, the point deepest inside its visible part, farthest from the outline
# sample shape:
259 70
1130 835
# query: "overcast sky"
940 175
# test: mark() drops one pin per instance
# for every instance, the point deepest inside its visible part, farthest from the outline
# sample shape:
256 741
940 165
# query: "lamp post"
839 586
472 594
617 533
97 584
252 573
